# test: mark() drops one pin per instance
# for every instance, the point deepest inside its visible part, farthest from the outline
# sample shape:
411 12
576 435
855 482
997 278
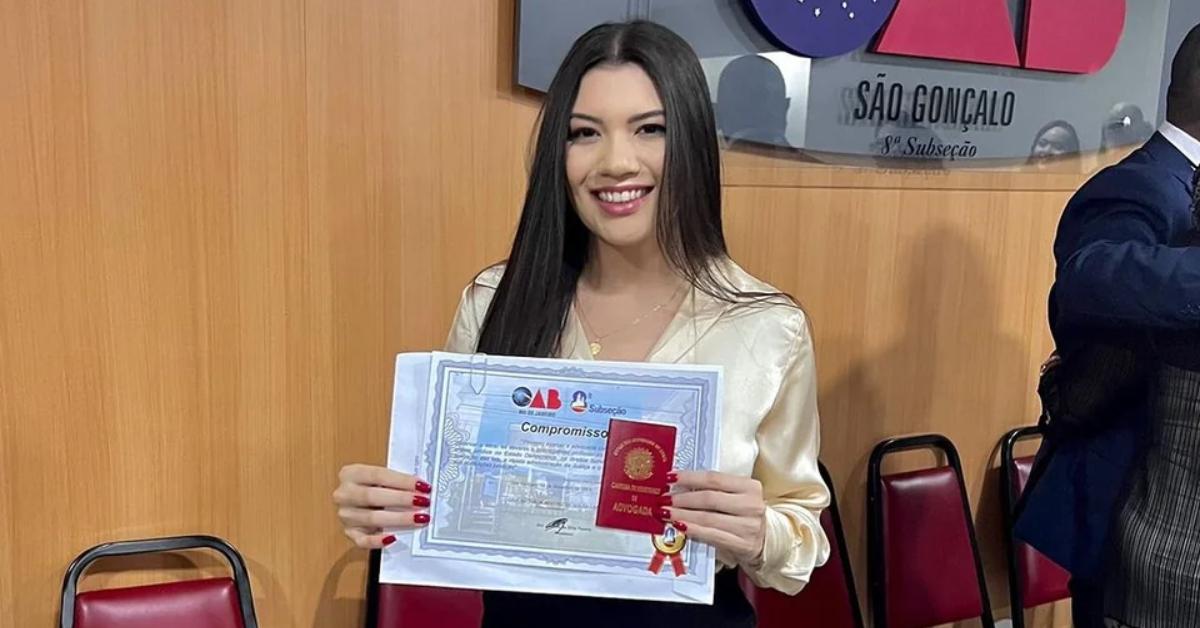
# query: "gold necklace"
594 343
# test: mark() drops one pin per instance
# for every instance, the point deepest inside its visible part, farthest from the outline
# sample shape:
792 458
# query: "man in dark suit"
1119 267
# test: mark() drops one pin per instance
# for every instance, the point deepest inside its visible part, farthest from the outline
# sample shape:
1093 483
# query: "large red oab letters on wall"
1072 36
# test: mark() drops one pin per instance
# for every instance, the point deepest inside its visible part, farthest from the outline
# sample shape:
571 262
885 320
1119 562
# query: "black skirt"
730 609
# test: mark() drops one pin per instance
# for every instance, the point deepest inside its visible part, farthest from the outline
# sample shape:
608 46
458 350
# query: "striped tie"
1196 189
1196 199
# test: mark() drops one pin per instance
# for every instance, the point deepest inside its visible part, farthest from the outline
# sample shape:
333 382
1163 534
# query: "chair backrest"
829 600
923 558
404 606
207 603
1033 579
211 603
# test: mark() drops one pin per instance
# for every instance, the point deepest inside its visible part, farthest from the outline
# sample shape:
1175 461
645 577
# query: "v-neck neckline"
581 347
694 316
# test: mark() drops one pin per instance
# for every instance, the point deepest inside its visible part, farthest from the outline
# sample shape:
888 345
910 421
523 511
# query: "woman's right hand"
372 500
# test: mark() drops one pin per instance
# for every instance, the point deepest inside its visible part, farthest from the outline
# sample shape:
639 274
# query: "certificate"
514 449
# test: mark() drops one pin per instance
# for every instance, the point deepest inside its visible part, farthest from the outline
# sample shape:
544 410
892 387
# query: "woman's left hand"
722 510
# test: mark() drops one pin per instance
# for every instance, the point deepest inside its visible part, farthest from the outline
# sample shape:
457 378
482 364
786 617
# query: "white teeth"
624 196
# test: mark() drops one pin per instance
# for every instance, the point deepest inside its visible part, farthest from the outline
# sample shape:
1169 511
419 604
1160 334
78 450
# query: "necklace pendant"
595 348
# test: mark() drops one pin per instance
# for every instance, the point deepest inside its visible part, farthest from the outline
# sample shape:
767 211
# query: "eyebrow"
637 118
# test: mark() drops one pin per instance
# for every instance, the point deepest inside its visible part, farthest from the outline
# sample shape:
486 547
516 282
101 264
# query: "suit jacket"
1117 268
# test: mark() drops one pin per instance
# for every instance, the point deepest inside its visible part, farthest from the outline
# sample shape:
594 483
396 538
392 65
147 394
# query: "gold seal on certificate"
668 545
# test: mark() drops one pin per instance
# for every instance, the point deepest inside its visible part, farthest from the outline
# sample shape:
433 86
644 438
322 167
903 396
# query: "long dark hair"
1072 146
530 307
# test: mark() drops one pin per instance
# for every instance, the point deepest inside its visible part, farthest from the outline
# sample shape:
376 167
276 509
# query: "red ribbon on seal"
676 563
668 545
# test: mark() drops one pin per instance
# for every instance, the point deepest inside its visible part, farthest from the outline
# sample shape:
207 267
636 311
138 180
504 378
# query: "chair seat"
210 603
825 601
404 606
1042 581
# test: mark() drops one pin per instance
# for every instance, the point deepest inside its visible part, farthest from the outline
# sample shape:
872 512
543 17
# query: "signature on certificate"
558 525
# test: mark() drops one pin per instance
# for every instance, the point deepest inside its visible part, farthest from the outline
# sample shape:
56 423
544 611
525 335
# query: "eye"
582 133
652 129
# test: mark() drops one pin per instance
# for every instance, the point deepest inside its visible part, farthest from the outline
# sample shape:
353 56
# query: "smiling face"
1055 142
615 153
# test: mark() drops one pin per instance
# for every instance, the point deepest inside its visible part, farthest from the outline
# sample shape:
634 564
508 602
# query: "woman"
620 255
1055 140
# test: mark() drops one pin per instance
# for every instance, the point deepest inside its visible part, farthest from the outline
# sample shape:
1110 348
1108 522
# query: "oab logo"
523 397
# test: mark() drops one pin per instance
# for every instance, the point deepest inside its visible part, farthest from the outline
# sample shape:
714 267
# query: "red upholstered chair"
923 559
830 599
1033 579
404 606
209 603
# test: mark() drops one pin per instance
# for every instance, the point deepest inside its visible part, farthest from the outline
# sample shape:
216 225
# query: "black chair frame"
876 567
241 577
1009 498
838 531
373 566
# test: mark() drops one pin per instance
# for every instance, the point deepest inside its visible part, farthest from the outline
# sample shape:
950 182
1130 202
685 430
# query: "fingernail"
389 539
421 518
664 514
665 500
679 525
424 487
420 501
672 477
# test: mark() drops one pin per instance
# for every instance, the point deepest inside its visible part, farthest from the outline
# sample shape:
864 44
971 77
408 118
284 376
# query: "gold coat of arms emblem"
639 464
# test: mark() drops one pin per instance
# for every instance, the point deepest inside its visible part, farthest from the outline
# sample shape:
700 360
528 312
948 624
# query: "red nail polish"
421 518
665 500
420 501
424 487
664 514
679 525
672 477
389 539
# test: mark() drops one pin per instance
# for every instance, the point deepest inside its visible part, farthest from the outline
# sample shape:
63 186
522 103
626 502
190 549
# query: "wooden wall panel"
928 310
220 220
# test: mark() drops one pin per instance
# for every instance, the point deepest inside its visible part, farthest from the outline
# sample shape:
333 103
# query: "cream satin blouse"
769 424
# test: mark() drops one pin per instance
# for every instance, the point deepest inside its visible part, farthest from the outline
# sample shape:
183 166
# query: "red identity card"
636 463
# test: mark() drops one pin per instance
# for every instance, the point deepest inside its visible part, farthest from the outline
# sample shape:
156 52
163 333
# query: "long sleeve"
1117 264
788 445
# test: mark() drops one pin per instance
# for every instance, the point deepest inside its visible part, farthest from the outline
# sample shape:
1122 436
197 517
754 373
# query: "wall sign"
1076 36
948 83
